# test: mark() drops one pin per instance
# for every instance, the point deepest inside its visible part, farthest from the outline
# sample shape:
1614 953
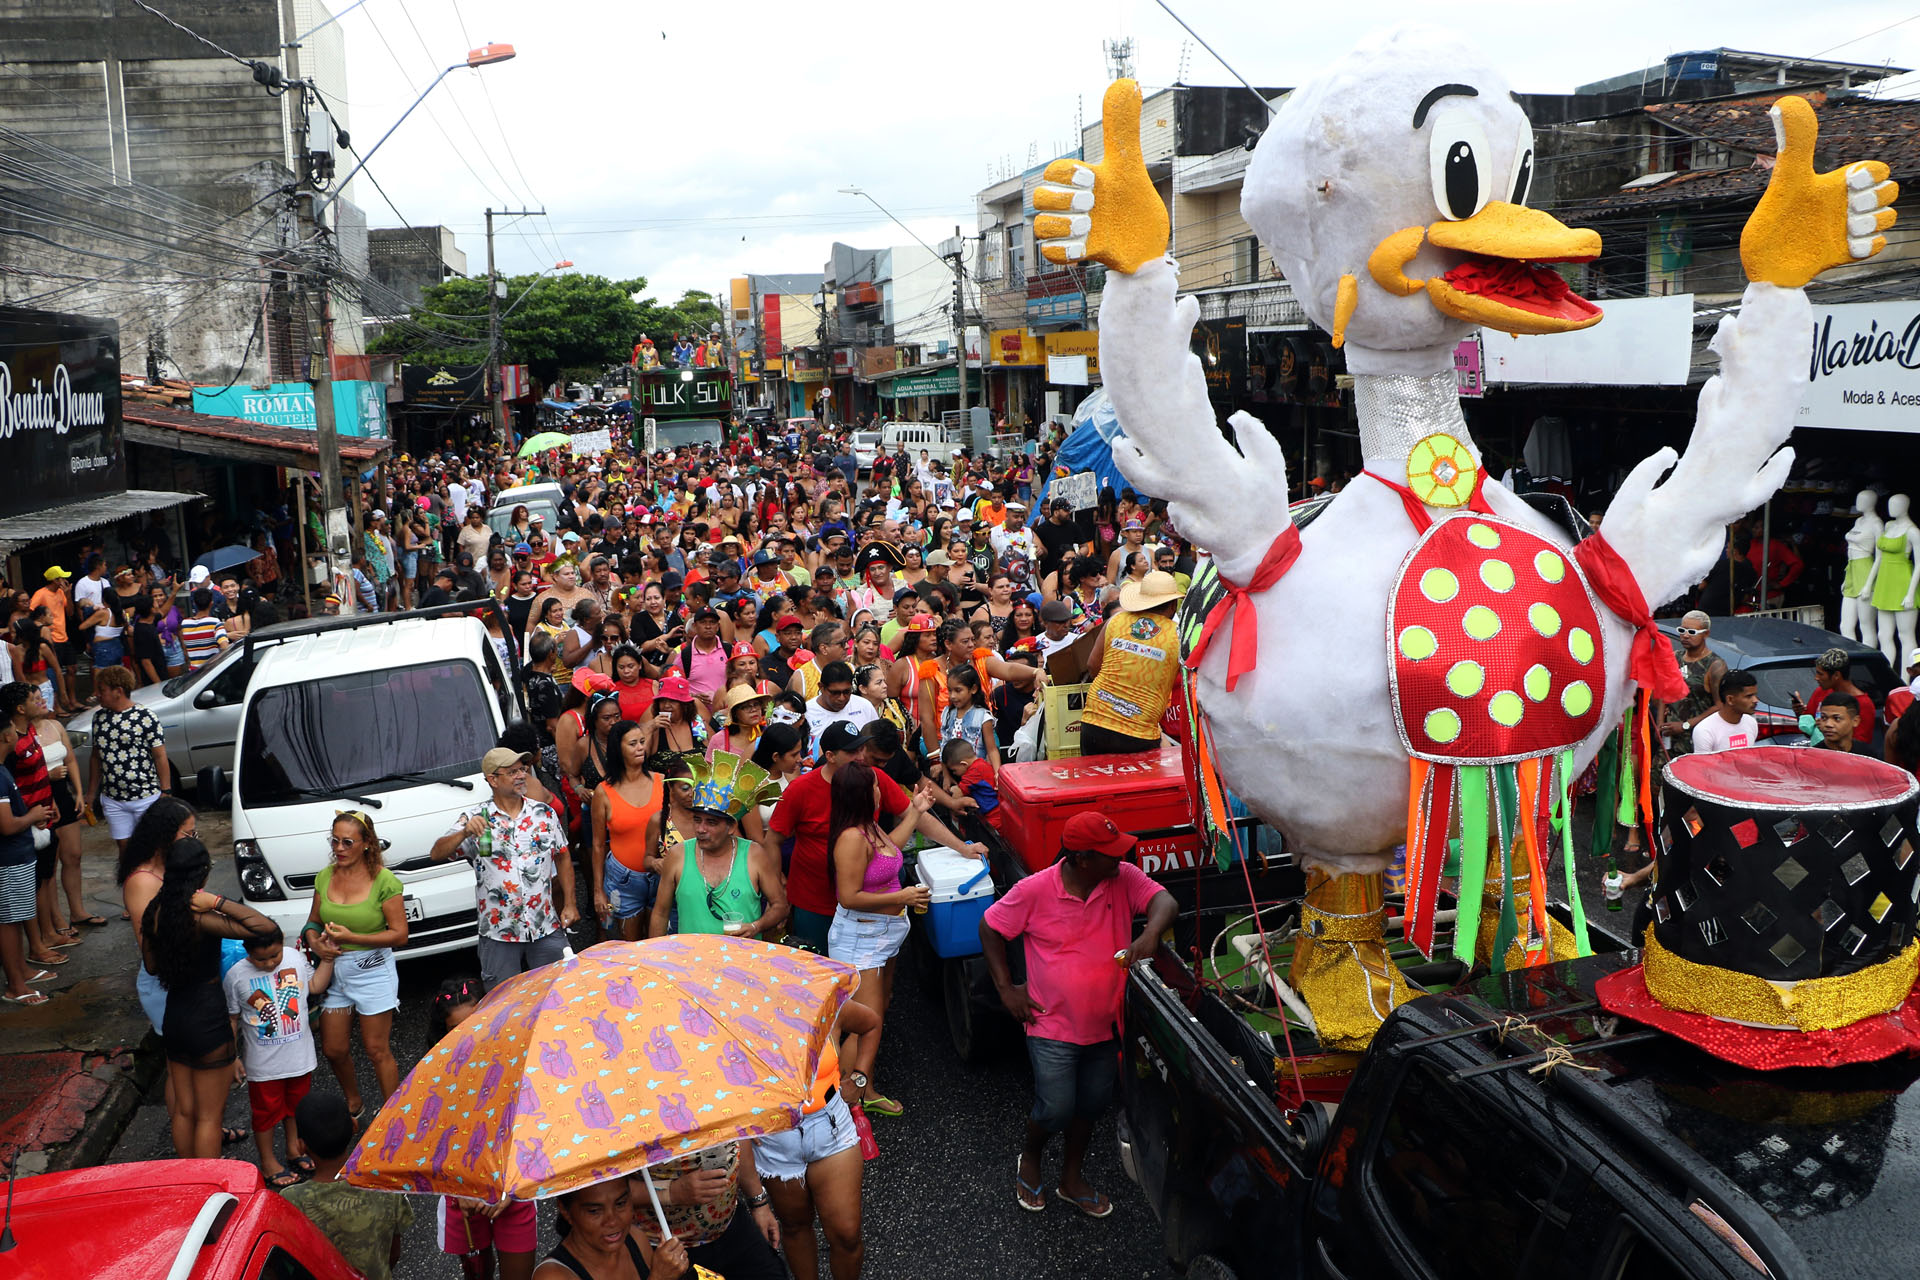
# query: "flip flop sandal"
1094 1206
42 975
46 959
1029 1196
283 1179
64 942
32 997
94 922
230 1135
303 1165
880 1105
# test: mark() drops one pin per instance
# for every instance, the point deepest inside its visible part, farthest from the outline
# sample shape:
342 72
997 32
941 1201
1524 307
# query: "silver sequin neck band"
1399 410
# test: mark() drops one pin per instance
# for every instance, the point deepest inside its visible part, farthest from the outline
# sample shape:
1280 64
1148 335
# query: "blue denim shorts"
1071 1081
106 653
631 892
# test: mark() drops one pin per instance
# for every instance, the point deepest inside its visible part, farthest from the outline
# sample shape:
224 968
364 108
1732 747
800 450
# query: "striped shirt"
201 638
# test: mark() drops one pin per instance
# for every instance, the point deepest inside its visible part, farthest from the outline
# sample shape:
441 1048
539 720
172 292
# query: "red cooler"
1145 792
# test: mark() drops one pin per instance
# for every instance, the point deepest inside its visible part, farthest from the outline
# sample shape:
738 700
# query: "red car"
168 1220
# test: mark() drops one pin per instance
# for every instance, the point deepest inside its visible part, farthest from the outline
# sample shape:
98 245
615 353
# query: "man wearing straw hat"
1133 669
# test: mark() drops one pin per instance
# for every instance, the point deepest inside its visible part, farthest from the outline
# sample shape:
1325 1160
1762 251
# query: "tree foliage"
553 324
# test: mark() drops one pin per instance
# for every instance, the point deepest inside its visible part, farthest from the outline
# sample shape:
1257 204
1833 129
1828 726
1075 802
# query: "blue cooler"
962 891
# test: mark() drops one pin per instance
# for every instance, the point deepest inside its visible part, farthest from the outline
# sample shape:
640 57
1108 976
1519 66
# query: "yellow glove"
1107 212
1807 222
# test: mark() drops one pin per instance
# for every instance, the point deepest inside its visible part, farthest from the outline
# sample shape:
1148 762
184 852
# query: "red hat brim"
1884 1035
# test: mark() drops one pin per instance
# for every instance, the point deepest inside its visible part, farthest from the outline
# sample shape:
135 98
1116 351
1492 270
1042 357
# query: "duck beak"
1502 284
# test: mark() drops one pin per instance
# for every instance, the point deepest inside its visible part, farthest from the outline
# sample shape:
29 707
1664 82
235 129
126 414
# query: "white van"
385 713
912 437
543 500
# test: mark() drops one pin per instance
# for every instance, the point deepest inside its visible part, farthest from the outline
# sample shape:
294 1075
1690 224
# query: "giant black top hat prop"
1784 914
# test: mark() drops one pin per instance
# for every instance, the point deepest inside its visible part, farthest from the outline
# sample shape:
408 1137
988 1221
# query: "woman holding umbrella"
597 1241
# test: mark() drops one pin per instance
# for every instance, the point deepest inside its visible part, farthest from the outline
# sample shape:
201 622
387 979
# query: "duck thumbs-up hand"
1108 212
1807 221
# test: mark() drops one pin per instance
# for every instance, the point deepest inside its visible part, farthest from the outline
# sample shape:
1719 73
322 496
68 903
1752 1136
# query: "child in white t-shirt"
267 1000
1731 723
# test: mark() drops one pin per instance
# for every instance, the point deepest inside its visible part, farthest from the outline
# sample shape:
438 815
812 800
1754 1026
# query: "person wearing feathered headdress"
719 882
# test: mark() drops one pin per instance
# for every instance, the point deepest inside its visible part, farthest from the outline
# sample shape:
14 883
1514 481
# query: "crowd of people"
755 682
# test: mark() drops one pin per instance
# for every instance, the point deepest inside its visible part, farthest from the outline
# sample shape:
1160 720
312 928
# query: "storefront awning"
58 522
237 439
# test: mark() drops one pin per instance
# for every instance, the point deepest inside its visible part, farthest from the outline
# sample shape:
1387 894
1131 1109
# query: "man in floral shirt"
518 848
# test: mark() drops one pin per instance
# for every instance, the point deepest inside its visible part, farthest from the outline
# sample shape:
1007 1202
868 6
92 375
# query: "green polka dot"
1497 574
1549 565
1439 585
1442 725
1538 682
1506 708
1484 536
1577 698
1580 645
1545 618
1481 622
1417 643
1465 678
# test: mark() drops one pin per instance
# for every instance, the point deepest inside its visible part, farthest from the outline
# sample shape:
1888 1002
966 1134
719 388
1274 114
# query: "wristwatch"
760 1201
858 1079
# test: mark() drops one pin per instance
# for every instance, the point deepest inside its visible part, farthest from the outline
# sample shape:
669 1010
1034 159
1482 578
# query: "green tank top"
705 909
364 916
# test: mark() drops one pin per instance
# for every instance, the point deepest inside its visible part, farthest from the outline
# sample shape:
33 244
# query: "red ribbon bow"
1236 609
1652 663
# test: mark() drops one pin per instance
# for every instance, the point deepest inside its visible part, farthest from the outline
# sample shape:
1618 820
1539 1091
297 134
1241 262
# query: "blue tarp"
1089 447
564 406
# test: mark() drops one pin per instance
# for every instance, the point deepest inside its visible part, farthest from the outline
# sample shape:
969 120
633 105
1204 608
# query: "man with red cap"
1077 919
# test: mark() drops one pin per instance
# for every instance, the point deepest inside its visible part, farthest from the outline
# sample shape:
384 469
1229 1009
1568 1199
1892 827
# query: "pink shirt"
1070 946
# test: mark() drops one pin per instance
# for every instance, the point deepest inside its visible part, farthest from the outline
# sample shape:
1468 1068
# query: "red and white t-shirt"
1715 734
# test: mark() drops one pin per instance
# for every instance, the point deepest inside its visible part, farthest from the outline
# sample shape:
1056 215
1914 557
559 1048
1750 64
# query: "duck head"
1392 191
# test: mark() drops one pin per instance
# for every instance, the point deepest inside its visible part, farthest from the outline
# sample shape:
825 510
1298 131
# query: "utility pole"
958 257
336 526
494 289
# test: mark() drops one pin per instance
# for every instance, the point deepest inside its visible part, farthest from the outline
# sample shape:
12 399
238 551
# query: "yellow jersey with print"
1136 676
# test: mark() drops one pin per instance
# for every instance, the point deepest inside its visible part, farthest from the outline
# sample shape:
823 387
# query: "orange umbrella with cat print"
623 1056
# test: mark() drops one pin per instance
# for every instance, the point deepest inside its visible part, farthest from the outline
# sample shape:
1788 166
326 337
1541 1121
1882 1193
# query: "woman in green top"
359 916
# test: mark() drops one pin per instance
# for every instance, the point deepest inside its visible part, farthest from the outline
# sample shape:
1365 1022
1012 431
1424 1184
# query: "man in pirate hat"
719 882
876 564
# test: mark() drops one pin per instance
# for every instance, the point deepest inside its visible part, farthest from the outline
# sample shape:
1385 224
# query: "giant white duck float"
1430 655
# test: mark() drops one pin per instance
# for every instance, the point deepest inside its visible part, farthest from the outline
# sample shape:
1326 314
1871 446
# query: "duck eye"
1522 169
1461 180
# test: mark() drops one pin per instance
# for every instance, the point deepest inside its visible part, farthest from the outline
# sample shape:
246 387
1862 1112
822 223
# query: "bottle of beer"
1613 884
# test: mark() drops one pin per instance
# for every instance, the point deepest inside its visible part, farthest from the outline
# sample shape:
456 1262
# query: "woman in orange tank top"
624 885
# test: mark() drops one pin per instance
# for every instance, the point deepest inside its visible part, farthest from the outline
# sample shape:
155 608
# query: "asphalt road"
939 1200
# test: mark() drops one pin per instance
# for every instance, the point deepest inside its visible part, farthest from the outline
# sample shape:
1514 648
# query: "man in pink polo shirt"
1077 916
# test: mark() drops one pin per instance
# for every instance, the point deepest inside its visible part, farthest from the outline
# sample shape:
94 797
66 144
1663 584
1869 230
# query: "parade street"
938 1203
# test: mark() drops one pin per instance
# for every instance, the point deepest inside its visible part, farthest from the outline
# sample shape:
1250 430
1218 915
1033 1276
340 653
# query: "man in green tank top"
719 882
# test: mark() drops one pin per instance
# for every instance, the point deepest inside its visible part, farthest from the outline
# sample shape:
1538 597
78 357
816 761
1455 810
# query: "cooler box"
953 918
1064 705
1144 792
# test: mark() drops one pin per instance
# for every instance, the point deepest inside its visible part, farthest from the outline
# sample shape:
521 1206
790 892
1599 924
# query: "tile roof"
291 439
1851 128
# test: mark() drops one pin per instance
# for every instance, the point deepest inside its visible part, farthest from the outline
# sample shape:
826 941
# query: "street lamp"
486 55
959 293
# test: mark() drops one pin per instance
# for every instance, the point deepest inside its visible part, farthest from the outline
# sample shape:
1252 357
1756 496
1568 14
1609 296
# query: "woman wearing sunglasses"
359 916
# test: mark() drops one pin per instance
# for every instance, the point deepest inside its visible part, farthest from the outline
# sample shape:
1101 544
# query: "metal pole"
496 402
960 324
1766 554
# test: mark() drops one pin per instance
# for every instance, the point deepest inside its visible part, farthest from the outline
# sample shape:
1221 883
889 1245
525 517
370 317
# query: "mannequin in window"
1891 581
1857 614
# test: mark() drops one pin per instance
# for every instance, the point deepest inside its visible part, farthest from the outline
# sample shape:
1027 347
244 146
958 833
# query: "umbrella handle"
666 1232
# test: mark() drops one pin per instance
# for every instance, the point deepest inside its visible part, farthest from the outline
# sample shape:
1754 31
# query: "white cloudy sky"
690 143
